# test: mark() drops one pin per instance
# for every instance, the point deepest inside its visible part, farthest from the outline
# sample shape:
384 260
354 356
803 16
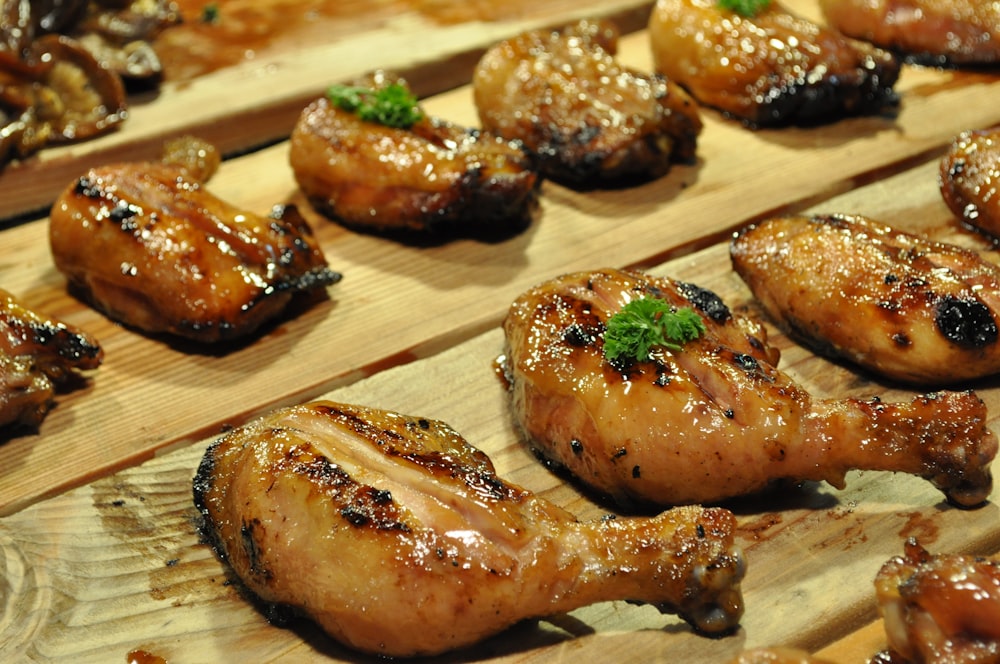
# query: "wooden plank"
151 395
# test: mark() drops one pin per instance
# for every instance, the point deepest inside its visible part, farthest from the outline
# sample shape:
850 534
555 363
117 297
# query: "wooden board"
99 552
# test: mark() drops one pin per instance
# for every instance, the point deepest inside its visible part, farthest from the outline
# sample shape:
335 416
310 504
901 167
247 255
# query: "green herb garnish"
744 7
392 106
648 322
210 13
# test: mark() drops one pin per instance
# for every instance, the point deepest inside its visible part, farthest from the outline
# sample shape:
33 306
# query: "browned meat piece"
149 246
36 354
715 419
940 609
970 179
897 304
589 120
431 176
398 538
770 69
959 32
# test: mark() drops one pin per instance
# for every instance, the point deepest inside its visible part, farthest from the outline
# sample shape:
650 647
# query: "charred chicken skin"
770 69
715 419
147 244
36 354
940 609
430 176
398 538
902 306
960 32
588 119
970 179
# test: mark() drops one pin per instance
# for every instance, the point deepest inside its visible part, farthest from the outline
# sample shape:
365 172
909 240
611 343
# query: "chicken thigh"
960 32
969 176
398 538
940 609
769 69
36 354
713 419
589 120
147 244
902 306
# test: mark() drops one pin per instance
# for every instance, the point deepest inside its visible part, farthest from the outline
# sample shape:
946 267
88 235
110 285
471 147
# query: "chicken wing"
431 176
715 419
902 306
941 609
589 120
960 32
36 354
970 179
769 69
146 243
398 538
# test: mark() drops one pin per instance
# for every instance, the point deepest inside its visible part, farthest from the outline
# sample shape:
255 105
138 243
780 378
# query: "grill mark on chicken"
930 308
726 423
386 511
771 69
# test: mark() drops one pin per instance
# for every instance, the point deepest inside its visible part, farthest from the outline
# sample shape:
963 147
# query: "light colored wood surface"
99 552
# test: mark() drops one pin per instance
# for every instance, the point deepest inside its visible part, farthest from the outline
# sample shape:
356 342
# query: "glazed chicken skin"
433 176
902 306
969 177
147 244
589 120
715 419
37 353
397 537
959 32
940 609
771 69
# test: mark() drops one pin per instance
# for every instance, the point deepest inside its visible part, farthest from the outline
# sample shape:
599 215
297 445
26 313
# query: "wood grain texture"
98 545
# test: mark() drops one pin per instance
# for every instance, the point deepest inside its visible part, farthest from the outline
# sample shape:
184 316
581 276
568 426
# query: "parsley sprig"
392 106
648 322
746 8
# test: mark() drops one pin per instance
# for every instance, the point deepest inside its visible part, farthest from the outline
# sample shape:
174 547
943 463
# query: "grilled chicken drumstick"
146 243
714 419
398 538
769 69
902 306
36 354
589 120
940 609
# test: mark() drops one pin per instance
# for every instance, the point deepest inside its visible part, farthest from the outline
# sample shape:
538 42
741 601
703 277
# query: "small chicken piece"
715 419
970 179
959 32
589 120
902 306
37 354
431 177
397 537
147 244
940 609
770 69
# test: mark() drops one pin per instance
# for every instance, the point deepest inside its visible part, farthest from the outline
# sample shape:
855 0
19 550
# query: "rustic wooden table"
100 557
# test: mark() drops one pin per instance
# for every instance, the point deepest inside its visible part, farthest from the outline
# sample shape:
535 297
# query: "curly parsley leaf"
746 8
392 106
648 322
